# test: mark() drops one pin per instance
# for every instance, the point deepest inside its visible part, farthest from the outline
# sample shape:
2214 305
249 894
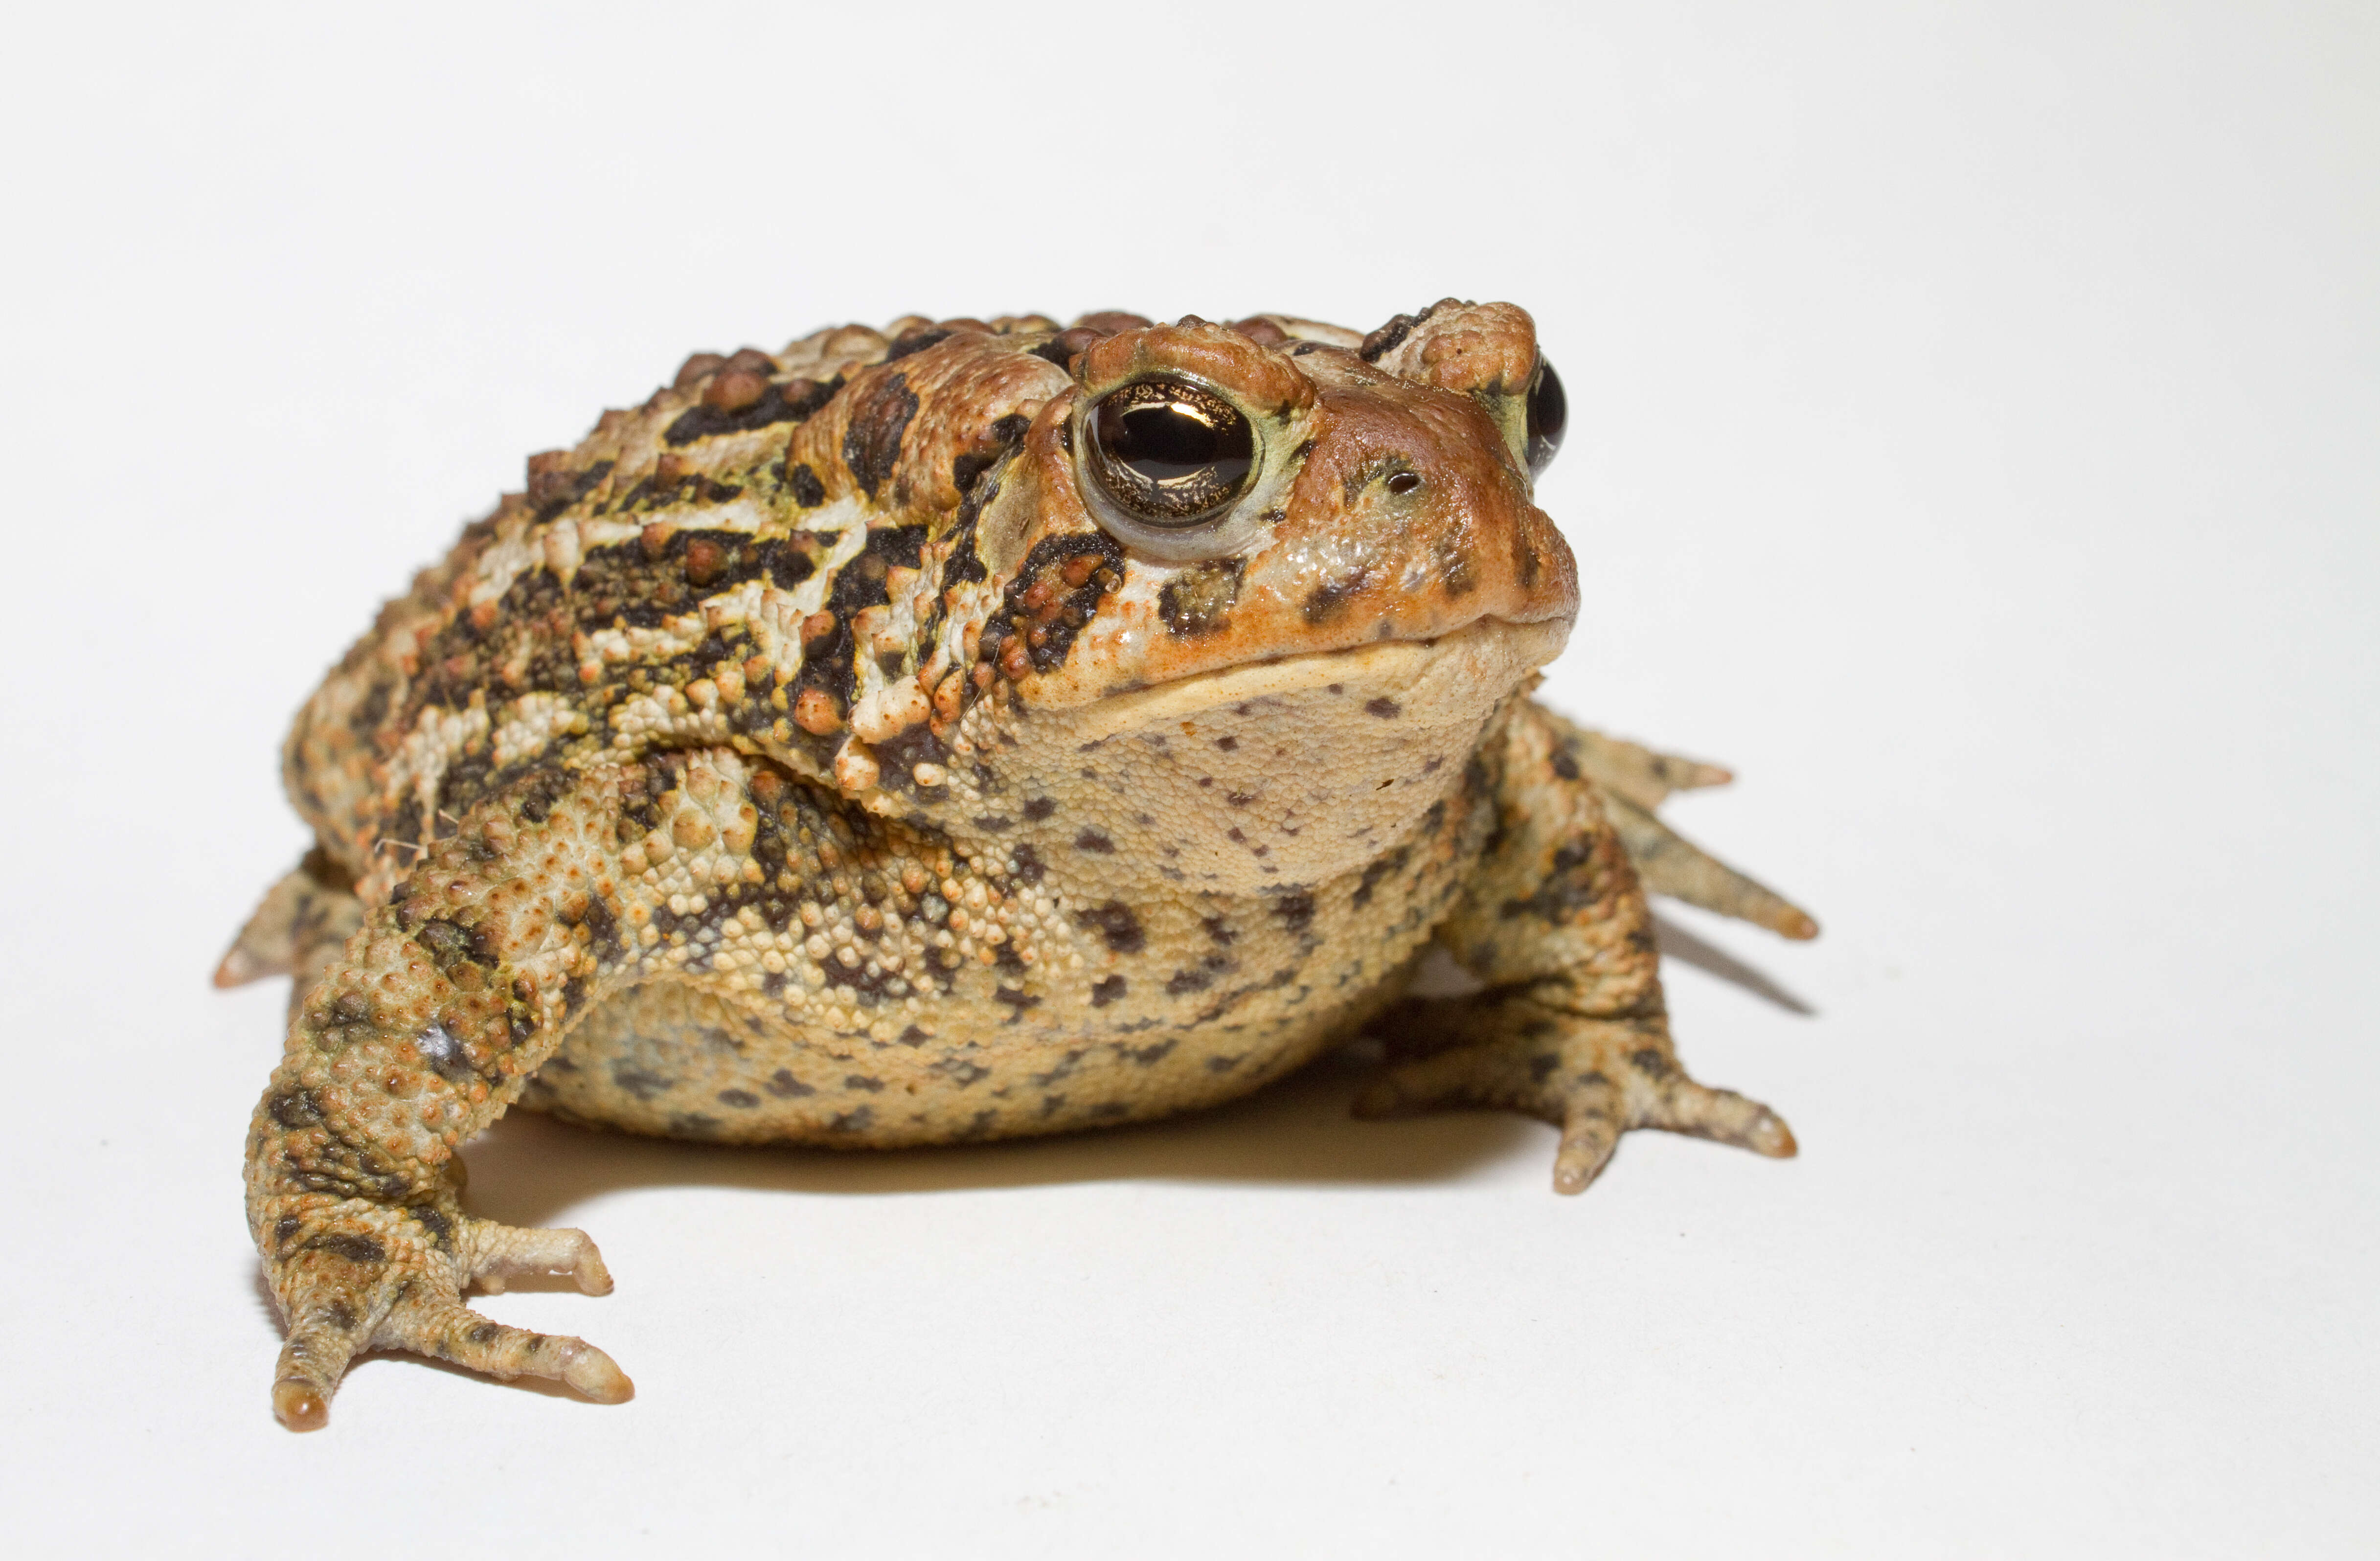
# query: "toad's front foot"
351 1276
1593 1078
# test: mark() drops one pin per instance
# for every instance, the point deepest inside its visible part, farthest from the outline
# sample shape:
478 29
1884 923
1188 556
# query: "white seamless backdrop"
1975 413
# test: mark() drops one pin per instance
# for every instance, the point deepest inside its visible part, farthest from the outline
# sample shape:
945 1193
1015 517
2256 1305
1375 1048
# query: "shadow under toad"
1676 943
528 1169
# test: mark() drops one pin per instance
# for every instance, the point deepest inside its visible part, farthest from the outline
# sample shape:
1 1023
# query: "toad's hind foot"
297 928
1593 1078
357 1277
1634 780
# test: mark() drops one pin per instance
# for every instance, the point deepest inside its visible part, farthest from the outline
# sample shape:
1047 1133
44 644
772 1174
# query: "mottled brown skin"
801 760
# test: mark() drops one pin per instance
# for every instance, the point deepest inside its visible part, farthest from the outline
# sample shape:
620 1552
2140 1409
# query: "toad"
971 729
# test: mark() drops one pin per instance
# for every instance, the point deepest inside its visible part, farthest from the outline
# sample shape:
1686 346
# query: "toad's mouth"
1456 676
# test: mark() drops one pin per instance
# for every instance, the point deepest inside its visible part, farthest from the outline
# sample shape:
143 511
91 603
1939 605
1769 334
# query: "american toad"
960 730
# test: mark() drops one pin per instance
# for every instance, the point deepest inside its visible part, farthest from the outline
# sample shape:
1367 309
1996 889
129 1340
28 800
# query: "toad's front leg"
1572 1028
418 1036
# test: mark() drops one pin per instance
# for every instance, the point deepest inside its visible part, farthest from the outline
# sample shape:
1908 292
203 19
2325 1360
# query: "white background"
1976 443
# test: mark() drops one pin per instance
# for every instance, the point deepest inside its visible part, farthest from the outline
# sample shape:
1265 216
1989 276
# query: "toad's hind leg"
1632 781
1572 1028
421 1034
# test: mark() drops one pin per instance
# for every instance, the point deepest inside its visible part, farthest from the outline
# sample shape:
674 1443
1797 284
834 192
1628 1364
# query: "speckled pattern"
803 759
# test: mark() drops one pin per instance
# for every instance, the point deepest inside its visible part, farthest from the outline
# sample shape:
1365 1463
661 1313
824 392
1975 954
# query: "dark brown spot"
642 1082
553 488
915 342
1198 601
355 1249
436 1225
793 402
1295 910
1375 871
294 1108
1115 922
1328 601
871 445
1385 339
448 944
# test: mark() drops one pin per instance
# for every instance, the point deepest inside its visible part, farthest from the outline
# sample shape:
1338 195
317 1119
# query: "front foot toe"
1679 1105
1594 1115
1594 1079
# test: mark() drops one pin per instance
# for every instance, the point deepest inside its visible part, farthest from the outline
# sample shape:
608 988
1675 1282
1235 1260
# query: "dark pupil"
1171 453
1168 440
1548 416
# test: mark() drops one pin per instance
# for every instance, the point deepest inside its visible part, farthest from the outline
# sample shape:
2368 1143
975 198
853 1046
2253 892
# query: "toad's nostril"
1403 482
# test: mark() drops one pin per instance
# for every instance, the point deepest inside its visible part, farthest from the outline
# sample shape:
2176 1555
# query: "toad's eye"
1548 416
1171 453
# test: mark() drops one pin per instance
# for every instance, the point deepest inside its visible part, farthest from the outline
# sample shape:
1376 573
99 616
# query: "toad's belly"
674 1058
